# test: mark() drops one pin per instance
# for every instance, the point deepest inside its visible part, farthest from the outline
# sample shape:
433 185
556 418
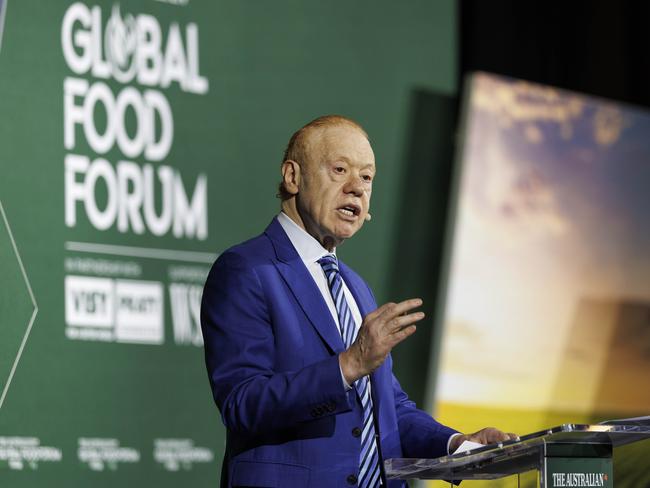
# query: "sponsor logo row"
130 311
99 454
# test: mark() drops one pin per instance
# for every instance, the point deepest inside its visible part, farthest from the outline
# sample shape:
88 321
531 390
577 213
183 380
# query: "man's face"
335 184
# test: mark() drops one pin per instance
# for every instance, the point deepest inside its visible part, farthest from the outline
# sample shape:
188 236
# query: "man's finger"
391 310
403 334
398 324
490 435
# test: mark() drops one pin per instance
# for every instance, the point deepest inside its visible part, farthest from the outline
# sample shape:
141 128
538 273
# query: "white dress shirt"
310 251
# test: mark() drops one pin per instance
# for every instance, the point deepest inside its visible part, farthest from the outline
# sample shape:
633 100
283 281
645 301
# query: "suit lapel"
303 287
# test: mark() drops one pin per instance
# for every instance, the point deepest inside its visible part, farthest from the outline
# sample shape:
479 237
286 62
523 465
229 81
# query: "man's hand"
380 331
489 435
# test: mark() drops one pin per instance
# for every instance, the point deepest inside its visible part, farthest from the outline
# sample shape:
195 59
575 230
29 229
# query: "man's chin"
346 232
336 234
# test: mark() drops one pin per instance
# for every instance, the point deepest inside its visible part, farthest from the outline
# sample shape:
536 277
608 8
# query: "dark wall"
599 48
420 230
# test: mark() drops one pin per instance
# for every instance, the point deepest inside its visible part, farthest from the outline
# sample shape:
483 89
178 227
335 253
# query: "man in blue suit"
297 351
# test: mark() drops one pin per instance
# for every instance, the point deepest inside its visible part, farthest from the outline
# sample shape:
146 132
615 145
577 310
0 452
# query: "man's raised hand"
380 331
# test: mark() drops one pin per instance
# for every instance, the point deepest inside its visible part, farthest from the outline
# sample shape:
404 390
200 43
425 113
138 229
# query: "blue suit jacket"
271 350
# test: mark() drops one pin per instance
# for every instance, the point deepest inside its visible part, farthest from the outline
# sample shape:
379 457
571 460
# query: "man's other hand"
489 435
380 331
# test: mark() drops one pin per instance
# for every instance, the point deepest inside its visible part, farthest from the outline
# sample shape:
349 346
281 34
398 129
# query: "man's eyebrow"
347 160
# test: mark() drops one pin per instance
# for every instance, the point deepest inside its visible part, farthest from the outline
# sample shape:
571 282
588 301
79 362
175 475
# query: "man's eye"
367 178
339 169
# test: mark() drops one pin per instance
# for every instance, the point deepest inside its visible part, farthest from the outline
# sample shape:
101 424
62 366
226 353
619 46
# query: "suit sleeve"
240 355
421 436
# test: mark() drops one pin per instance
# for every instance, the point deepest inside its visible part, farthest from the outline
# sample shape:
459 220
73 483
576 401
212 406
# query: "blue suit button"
352 479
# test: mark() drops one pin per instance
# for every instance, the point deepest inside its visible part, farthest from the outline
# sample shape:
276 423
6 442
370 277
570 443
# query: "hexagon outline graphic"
31 296
3 9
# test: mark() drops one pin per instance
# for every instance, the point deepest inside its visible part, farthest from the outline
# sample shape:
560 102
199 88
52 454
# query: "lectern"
571 455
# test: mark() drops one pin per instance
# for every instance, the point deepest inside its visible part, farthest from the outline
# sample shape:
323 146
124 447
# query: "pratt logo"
579 479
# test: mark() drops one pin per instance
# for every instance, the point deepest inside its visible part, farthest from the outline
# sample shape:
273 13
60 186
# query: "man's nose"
354 185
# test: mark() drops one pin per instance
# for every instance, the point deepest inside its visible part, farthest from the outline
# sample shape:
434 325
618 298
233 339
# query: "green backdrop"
137 141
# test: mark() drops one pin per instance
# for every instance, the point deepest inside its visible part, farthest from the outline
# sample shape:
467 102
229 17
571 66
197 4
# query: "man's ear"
291 176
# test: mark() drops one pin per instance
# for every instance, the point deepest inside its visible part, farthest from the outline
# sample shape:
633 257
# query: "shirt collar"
308 248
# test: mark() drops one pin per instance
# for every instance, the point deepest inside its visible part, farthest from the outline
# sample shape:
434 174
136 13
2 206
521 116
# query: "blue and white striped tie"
369 472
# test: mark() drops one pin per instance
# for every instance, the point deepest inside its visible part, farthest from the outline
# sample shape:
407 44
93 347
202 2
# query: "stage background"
101 365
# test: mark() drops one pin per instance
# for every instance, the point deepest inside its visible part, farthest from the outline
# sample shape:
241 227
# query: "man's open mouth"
350 210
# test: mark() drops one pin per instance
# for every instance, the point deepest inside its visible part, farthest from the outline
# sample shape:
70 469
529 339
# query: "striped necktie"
369 472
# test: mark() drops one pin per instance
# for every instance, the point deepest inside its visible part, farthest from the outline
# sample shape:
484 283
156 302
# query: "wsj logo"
185 303
103 309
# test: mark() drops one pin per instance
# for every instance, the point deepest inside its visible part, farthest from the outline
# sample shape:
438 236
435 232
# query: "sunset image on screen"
547 311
